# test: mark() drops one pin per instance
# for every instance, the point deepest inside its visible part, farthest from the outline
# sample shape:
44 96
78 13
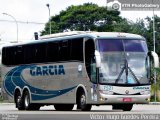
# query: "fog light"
148 99
102 99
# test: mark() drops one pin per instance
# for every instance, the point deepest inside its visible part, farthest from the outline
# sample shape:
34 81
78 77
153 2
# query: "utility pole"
15 22
49 18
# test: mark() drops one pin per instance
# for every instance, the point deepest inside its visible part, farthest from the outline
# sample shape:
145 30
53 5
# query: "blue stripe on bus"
14 78
54 94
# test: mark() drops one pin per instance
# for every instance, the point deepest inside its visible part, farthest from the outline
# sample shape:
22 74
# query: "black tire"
127 107
35 107
64 107
19 101
27 104
117 107
124 107
82 103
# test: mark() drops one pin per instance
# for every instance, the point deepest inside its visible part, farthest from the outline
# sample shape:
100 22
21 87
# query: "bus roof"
94 35
76 34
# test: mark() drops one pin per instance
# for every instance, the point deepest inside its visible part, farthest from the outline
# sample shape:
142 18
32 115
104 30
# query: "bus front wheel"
82 102
127 107
124 107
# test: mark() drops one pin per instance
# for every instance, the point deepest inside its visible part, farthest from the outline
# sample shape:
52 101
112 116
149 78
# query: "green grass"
152 99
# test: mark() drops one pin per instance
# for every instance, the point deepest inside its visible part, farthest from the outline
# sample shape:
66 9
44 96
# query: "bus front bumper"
124 99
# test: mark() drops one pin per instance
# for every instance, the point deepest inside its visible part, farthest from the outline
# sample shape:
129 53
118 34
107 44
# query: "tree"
150 33
92 17
83 17
142 27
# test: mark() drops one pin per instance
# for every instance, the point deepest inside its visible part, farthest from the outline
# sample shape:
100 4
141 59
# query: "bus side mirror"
98 59
155 59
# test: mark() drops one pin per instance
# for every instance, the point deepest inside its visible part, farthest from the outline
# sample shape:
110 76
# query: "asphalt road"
141 112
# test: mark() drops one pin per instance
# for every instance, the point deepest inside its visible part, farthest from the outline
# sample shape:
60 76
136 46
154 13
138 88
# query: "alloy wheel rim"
83 99
26 101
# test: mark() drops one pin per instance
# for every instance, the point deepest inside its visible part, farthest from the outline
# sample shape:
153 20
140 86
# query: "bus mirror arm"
98 59
155 59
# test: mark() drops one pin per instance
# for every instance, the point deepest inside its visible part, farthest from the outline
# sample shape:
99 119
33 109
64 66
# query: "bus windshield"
123 61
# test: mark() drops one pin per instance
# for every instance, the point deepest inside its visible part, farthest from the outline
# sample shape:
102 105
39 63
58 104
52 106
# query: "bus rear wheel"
82 102
27 104
64 107
19 101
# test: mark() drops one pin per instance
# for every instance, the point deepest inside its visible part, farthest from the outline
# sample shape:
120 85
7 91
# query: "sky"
36 11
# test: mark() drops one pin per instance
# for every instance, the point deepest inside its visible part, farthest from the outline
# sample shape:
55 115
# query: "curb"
150 103
5 103
154 103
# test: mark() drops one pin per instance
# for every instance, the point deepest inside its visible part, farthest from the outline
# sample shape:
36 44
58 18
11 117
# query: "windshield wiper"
120 74
126 68
134 75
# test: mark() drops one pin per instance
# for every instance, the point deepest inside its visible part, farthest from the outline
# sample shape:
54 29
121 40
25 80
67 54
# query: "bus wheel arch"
81 100
18 99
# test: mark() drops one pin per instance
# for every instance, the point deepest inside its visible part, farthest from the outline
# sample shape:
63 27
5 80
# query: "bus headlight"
145 92
102 99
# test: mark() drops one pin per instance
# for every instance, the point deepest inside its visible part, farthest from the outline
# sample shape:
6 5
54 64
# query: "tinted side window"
40 51
64 52
29 54
52 52
77 49
8 56
4 56
19 55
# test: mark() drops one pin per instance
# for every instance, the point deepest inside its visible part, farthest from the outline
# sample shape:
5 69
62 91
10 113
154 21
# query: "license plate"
127 99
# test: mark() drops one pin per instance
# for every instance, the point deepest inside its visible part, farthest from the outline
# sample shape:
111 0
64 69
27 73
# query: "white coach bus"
82 68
